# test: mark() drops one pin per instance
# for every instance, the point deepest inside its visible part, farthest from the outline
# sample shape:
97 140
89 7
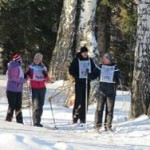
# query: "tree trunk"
103 21
62 53
86 30
85 36
140 102
103 28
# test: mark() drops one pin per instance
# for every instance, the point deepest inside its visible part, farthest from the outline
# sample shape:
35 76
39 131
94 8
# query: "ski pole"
124 96
86 98
30 113
52 113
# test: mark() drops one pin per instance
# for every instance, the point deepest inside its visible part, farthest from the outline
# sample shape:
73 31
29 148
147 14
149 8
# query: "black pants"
108 103
38 97
14 105
79 106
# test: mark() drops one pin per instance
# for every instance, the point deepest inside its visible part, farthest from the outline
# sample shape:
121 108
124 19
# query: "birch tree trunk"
86 30
86 35
62 52
140 103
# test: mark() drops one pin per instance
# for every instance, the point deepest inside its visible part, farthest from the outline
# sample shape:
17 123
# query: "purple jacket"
15 77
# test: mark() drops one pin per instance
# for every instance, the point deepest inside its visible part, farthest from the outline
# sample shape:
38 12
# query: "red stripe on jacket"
34 82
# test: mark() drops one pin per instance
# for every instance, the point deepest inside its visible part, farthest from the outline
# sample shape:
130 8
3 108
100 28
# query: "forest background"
31 26
59 28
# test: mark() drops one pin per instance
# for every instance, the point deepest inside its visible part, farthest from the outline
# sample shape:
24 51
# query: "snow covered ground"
127 135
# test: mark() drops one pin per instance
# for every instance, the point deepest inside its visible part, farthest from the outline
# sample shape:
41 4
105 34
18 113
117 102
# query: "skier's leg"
11 105
83 103
109 112
19 117
35 106
41 102
77 104
99 111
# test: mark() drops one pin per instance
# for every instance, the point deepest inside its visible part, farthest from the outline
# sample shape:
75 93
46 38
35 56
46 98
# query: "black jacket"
74 67
107 89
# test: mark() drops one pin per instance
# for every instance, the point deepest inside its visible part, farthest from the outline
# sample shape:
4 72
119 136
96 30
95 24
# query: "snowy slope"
127 135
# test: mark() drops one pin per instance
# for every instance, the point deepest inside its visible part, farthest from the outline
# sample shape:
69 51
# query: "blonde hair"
39 56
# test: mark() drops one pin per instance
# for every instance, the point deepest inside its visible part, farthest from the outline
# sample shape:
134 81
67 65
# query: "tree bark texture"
86 30
62 53
103 28
140 101
103 21
85 35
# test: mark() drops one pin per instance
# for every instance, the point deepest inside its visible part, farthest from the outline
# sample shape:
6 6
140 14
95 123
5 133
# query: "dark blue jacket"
107 89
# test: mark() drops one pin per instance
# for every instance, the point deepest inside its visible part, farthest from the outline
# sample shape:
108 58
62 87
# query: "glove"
45 73
26 74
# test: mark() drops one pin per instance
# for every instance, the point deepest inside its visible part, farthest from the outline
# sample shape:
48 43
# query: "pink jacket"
15 77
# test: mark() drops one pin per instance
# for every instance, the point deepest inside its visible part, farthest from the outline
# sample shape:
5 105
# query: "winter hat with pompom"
17 57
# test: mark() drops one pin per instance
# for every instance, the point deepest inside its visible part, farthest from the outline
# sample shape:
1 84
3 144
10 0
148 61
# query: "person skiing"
37 72
109 76
79 68
14 89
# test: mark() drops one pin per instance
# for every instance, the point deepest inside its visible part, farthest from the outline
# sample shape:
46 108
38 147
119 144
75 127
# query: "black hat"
83 49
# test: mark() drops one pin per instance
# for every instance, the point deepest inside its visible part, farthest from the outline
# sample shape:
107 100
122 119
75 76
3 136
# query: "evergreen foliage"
123 31
28 26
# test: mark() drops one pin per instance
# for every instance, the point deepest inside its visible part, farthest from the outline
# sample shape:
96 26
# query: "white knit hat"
39 56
